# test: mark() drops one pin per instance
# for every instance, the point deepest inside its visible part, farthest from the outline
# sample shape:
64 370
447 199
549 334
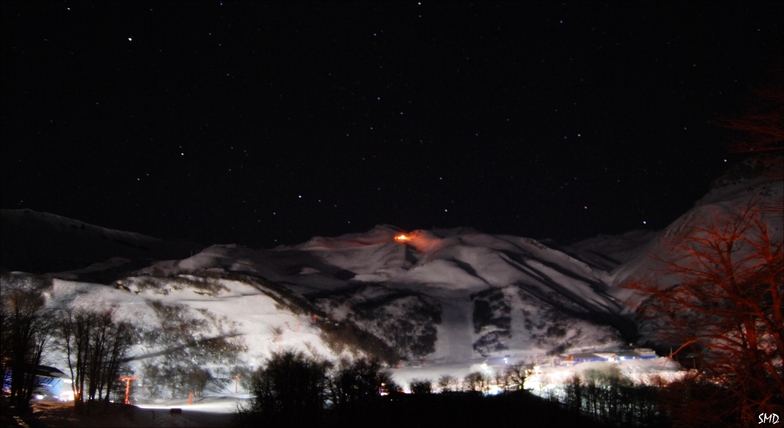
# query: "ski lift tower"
128 380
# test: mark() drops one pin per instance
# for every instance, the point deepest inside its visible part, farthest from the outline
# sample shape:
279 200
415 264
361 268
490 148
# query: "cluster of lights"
402 238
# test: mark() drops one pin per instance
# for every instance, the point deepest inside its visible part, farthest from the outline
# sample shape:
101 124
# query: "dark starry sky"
266 123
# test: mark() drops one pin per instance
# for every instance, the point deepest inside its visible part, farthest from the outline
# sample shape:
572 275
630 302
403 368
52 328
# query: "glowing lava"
401 238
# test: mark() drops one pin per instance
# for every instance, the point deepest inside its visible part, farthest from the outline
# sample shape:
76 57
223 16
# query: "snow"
217 404
549 379
728 196
449 267
539 298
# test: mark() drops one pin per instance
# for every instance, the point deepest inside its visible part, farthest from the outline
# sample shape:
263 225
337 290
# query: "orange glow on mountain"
401 238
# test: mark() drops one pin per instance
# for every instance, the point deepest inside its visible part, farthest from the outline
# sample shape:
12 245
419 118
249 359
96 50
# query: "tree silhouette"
726 310
447 383
95 347
290 389
25 331
476 382
421 386
516 375
359 382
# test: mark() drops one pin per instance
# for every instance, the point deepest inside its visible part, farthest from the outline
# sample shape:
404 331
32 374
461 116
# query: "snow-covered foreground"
225 404
214 413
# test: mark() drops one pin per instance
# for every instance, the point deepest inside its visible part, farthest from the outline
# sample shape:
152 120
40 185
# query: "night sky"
268 123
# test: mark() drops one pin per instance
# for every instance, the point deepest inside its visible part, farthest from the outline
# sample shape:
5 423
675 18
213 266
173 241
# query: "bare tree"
25 332
116 338
727 311
476 382
502 380
447 383
95 347
421 386
291 387
516 374
74 329
360 381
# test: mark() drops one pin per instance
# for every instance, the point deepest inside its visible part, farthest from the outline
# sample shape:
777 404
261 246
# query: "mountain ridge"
45 243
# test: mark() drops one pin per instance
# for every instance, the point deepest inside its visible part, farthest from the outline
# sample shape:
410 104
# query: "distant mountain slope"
759 179
41 242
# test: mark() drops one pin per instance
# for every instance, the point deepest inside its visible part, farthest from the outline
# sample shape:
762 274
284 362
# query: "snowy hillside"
760 179
446 299
441 301
439 294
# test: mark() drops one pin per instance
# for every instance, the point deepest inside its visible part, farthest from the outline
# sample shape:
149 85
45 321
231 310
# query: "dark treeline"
293 390
608 397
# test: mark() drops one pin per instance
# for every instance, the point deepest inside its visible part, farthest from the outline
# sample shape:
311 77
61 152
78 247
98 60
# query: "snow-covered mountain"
437 294
758 181
451 297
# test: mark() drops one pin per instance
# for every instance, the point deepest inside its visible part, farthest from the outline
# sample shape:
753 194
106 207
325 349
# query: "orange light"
401 238
128 380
